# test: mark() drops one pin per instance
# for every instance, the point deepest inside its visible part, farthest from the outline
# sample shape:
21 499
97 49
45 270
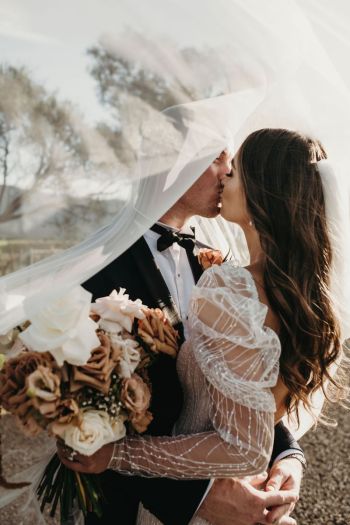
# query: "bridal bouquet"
79 371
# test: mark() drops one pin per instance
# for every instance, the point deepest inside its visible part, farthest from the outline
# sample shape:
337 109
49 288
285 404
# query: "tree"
39 140
136 77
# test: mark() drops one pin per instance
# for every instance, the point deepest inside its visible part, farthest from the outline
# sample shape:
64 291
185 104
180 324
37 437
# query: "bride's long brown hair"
286 203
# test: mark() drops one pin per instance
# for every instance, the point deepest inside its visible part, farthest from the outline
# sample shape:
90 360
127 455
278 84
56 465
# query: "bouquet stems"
60 484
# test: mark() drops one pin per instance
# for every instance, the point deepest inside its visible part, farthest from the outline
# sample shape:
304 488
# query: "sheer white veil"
289 81
280 63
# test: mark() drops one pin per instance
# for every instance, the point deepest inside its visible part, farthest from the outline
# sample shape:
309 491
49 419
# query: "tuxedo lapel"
154 281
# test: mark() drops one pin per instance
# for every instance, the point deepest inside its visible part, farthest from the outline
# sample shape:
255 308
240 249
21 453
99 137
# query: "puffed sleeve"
238 357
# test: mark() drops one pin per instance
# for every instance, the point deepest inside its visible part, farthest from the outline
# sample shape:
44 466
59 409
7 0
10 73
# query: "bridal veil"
232 67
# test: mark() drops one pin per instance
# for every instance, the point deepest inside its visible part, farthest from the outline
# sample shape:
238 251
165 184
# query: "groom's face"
204 196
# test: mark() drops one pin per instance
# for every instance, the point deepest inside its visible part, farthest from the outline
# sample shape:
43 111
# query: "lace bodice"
226 368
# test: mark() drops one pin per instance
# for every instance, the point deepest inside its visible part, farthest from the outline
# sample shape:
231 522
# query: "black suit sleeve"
173 502
157 494
284 440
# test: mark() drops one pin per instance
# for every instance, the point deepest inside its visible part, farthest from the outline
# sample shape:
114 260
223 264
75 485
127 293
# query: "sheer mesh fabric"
231 362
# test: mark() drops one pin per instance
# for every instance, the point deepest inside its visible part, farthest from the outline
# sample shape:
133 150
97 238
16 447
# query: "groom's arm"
284 444
237 502
174 502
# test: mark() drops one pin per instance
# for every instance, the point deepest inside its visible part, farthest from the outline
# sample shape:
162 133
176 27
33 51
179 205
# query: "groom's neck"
176 217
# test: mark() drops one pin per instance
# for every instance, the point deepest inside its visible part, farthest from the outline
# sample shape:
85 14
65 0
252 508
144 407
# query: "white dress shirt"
176 271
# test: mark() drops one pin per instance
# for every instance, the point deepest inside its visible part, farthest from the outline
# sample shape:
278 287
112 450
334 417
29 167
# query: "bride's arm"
245 451
239 359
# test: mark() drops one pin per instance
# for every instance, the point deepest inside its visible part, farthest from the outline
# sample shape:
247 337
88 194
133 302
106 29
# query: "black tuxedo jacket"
172 501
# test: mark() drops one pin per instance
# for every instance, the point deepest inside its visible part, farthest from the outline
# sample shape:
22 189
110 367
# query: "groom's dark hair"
286 203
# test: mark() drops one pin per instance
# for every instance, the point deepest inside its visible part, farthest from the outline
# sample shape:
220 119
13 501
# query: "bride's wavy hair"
286 203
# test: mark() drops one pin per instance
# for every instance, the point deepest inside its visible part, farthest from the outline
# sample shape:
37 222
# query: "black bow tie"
168 237
186 240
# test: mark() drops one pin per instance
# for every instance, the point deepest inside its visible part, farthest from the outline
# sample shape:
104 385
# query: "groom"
159 271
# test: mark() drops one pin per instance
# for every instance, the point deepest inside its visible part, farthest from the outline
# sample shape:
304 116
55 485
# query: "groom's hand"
285 474
238 502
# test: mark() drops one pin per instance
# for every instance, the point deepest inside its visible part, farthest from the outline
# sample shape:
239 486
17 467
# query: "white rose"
64 328
129 355
117 311
95 430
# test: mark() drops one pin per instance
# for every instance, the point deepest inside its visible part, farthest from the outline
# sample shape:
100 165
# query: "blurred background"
74 91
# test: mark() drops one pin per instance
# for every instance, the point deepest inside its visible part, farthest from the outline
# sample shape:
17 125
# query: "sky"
51 38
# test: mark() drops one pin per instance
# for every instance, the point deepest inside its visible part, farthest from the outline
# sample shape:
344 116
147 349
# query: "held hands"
240 502
286 474
94 464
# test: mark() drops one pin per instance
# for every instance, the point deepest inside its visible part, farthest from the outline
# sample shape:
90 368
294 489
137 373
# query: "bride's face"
233 199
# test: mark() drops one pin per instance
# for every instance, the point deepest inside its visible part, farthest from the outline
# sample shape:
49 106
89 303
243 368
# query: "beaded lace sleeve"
238 358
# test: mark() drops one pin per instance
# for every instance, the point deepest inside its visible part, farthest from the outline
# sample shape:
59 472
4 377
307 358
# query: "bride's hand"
94 464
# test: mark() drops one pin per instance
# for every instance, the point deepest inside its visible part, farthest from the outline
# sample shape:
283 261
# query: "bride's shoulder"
229 275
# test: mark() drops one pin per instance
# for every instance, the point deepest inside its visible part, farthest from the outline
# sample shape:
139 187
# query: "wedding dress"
226 369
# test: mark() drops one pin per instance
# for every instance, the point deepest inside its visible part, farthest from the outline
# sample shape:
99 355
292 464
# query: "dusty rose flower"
44 388
140 422
13 388
156 331
67 411
61 410
98 370
44 384
135 395
13 376
208 257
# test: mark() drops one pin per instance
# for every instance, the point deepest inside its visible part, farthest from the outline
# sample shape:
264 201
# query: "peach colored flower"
135 395
13 376
14 390
44 389
67 411
208 257
141 422
44 384
98 370
156 331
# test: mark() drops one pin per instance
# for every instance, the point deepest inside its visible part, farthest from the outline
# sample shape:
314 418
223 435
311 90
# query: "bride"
261 338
